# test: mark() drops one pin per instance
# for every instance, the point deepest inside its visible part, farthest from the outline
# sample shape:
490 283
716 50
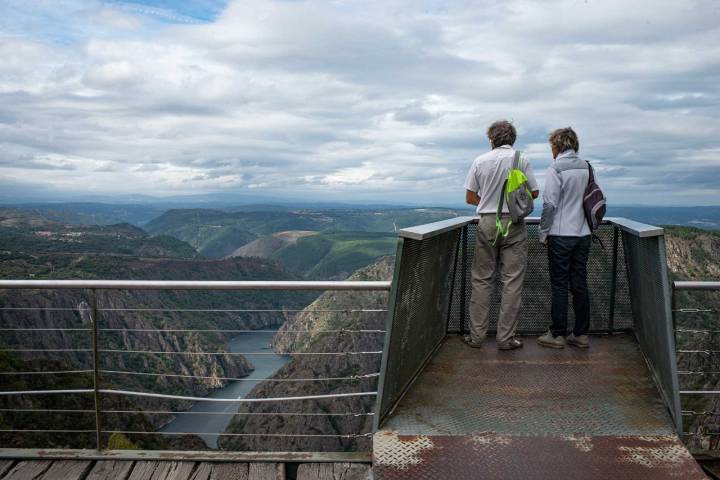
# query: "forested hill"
93 213
322 255
217 233
22 232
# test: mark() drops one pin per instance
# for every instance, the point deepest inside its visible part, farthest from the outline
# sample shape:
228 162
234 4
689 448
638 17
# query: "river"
265 366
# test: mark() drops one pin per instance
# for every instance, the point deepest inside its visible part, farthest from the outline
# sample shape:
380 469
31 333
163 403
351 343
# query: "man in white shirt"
483 187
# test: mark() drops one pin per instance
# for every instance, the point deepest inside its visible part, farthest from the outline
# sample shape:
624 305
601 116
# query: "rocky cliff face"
336 422
693 254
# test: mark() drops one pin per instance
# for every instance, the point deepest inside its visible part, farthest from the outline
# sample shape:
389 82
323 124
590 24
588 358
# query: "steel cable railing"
698 359
187 412
90 312
244 354
242 379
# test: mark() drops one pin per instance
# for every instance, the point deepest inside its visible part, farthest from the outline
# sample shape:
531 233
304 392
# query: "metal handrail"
192 285
693 285
422 232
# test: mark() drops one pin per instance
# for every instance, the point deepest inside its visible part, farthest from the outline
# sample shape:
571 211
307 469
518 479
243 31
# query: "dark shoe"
581 341
550 341
511 344
469 342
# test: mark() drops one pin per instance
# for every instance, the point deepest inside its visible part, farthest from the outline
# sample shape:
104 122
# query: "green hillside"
217 233
335 255
93 213
20 233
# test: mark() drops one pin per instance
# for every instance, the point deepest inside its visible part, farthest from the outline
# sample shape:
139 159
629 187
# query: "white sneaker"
550 341
581 341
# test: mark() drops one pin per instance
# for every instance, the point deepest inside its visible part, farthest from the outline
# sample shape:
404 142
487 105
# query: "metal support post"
96 368
452 286
613 281
463 278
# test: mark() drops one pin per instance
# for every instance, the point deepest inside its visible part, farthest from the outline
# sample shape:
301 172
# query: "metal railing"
91 311
696 311
430 297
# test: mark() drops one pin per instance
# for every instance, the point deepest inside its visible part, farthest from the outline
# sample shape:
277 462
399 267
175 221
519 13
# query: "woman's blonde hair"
564 139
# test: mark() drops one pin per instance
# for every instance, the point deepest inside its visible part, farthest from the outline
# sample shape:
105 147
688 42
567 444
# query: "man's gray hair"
501 133
564 139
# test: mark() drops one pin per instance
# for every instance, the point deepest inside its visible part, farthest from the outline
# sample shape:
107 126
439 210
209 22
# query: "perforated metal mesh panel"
650 293
535 311
419 306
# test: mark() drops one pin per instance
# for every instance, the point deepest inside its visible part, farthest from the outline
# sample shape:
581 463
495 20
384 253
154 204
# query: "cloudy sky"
354 100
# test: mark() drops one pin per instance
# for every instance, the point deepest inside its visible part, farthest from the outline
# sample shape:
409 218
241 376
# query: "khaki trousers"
510 254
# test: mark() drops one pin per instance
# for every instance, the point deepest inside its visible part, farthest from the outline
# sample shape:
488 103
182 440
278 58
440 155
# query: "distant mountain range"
142 211
700 217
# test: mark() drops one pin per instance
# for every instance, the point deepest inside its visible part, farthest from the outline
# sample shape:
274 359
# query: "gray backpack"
594 203
516 192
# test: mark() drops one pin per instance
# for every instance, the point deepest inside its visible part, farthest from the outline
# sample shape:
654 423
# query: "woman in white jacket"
565 232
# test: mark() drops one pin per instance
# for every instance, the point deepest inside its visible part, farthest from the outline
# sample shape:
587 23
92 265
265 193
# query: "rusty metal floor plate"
605 390
533 413
497 456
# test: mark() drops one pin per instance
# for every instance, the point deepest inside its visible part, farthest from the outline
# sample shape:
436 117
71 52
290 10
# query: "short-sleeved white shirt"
488 173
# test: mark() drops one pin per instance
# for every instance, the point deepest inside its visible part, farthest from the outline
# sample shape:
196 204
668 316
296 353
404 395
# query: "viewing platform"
444 410
450 411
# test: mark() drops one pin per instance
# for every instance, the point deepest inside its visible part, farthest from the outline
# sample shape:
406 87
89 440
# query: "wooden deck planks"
173 470
204 472
111 469
333 471
179 470
161 470
266 471
67 470
221 471
28 470
5 465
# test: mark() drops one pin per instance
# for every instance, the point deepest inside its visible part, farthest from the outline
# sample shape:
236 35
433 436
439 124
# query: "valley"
199 244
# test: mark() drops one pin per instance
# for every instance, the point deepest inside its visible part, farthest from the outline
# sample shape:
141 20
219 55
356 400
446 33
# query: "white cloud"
326 99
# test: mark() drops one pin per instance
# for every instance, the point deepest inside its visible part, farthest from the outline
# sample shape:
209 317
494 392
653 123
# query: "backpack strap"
591 172
516 160
501 231
503 192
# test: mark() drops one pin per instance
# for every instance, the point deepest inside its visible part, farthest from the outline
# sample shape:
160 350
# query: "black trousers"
567 259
